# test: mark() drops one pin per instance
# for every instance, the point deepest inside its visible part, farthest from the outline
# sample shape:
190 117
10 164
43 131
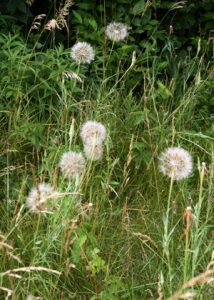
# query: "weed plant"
121 230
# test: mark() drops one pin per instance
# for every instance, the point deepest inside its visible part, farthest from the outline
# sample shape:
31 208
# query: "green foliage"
17 10
124 246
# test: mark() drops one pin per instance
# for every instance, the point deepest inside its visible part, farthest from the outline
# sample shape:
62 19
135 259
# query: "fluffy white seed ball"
39 196
116 31
82 52
72 164
176 163
93 132
93 152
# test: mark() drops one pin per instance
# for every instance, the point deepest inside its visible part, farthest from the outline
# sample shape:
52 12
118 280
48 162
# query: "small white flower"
116 31
72 164
82 52
176 163
93 152
38 197
93 132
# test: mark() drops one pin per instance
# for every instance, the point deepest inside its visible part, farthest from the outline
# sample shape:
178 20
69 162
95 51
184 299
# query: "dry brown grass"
201 279
60 21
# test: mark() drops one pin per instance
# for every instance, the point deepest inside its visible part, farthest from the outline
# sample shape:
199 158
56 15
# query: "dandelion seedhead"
72 164
116 31
93 152
82 52
176 163
93 132
38 197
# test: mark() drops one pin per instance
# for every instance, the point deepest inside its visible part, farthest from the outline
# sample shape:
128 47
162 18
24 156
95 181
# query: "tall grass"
112 239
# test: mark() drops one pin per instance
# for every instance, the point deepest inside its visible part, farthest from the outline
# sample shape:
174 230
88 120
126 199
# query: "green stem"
168 203
198 213
166 234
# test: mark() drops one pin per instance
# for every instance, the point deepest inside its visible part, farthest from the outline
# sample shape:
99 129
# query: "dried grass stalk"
63 13
8 291
60 21
72 75
159 290
29 269
203 278
37 22
8 248
52 25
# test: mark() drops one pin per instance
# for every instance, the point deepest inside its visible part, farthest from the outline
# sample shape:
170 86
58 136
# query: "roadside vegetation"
107 151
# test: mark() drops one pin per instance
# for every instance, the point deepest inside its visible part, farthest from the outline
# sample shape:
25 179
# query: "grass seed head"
51 25
82 52
176 163
116 31
72 75
72 164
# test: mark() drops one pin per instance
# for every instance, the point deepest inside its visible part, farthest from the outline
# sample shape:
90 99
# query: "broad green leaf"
77 16
139 7
82 240
93 24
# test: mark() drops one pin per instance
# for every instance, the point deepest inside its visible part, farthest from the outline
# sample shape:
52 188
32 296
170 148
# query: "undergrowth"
107 237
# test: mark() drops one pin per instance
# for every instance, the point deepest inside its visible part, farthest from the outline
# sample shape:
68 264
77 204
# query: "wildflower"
72 164
93 152
38 196
116 31
82 52
93 132
176 163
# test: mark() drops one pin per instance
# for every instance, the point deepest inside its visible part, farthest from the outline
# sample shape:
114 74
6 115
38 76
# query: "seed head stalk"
187 219
210 188
71 133
202 172
167 236
202 169
109 57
